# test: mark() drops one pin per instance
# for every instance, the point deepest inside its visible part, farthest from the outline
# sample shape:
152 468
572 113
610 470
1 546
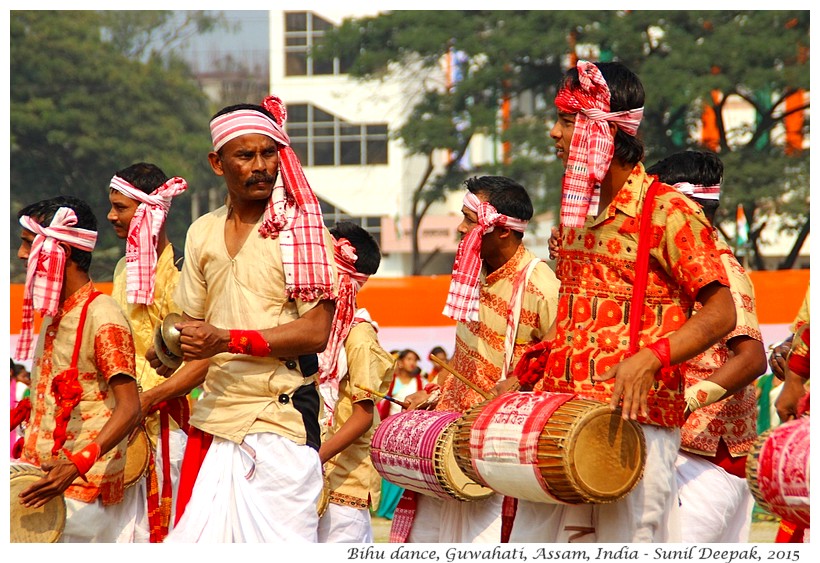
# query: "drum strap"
641 267
66 386
514 314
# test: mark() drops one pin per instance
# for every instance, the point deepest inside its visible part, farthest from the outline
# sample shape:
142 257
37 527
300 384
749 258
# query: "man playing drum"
257 289
144 281
591 351
715 501
352 366
84 396
492 267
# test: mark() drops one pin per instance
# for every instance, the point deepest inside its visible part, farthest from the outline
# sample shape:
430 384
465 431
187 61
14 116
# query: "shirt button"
284 398
290 364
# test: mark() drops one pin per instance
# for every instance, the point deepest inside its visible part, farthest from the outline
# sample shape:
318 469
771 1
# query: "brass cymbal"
166 341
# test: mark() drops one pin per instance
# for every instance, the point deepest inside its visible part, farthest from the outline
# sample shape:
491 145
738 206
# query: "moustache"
259 178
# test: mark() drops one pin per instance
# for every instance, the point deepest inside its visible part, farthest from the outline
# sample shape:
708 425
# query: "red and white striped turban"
592 144
46 268
698 191
463 297
292 214
350 282
143 232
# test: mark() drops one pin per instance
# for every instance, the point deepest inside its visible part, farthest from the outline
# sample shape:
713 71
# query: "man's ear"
216 163
613 128
503 232
68 249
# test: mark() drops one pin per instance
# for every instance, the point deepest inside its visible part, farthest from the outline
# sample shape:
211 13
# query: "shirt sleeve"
113 342
368 364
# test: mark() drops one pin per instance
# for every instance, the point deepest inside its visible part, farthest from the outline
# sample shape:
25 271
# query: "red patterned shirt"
107 349
733 419
597 273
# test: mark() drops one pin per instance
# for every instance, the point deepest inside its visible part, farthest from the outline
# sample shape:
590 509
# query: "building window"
320 138
303 31
333 215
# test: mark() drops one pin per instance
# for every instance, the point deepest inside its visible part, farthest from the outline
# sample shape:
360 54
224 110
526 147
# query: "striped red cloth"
293 213
350 282
463 297
45 270
592 144
698 191
143 233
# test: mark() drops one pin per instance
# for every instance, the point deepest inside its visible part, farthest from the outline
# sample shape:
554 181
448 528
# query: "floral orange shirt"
596 268
733 419
107 350
480 345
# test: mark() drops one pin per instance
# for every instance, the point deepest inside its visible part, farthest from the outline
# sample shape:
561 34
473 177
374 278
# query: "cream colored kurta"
353 480
243 394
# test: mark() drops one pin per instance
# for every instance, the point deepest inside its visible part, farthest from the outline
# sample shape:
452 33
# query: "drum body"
33 525
137 457
777 470
414 450
551 448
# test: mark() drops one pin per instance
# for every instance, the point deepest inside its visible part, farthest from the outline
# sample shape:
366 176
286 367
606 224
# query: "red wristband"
662 351
85 458
430 387
248 342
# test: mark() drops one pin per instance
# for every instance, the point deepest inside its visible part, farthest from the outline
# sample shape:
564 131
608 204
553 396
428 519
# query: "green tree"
89 95
681 57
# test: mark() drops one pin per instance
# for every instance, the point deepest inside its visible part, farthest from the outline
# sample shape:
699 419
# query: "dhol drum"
137 457
551 448
777 470
414 450
33 525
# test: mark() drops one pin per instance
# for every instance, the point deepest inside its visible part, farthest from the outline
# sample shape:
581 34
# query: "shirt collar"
627 198
509 269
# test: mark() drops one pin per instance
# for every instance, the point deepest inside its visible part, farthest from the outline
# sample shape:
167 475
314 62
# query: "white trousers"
263 490
91 522
345 524
649 513
176 450
453 521
715 506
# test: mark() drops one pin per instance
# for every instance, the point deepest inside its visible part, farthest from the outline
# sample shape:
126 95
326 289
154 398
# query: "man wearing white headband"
85 351
715 501
257 290
504 299
605 346
144 282
353 366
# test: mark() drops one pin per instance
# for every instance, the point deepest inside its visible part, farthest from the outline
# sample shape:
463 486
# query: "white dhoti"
649 513
715 506
345 524
263 490
176 451
91 522
452 521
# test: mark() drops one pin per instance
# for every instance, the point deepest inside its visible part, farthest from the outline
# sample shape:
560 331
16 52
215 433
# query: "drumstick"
467 382
403 404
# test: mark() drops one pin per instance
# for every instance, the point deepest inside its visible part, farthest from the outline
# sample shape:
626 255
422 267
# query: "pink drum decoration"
778 468
414 450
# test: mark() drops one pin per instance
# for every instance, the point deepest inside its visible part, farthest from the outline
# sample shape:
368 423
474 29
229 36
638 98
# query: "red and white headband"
143 233
698 191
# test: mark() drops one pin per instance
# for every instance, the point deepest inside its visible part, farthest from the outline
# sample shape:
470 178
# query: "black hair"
368 255
43 212
143 176
237 107
406 352
438 350
625 93
702 168
506 195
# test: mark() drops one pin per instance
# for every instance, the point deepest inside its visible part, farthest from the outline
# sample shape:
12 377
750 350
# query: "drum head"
459 484
137 457
33 525
606 455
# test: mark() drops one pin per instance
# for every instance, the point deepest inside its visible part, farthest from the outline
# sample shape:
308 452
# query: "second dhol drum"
551 447
414 450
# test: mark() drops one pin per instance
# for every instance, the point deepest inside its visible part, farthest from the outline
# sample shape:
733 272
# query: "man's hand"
416 400
60 473
505 386
634 377
200 340
154 361
554 243
786 404
777 358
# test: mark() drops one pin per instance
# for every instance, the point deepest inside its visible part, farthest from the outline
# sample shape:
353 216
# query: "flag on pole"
742 238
